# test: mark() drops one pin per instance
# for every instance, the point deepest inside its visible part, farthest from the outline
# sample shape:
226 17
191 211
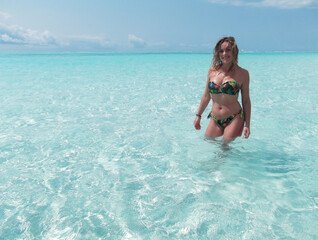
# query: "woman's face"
226 53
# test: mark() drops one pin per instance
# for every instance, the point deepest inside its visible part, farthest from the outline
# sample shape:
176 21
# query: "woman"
225 80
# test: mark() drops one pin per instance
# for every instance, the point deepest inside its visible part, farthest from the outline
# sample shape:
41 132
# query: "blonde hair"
216 61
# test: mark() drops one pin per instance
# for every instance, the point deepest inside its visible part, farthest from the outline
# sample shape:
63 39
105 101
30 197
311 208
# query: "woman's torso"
224 89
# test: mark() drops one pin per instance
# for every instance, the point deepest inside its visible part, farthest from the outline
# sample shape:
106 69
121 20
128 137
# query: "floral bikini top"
230 87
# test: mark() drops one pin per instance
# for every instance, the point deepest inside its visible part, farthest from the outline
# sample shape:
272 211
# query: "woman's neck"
227 67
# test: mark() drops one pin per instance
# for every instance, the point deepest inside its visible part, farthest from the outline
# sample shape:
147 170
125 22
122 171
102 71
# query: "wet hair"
216 61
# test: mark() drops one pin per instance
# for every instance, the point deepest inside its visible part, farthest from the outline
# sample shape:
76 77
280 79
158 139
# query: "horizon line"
145 52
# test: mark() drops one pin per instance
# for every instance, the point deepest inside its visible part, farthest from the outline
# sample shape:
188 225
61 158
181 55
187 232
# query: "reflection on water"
105 154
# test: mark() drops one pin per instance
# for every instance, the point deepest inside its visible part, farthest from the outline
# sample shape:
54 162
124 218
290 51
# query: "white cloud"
269 3
136 41
290 3
13 34
17 35
5 15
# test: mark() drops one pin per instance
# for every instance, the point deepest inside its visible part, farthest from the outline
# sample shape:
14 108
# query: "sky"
157 25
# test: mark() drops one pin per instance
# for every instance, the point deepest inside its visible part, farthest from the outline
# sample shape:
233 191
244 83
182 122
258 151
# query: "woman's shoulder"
242 73
213 70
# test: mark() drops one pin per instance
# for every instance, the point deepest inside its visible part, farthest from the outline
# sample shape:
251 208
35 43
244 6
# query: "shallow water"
103 146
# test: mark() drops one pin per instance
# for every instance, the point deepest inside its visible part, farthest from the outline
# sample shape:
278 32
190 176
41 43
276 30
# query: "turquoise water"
102 146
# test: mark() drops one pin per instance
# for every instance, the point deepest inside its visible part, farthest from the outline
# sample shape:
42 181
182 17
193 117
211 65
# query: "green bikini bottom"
225 122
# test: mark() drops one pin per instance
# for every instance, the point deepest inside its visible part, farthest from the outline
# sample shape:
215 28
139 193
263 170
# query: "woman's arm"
203 104
246 102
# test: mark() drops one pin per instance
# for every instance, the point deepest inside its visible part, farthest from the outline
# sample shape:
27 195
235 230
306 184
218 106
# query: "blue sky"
157 25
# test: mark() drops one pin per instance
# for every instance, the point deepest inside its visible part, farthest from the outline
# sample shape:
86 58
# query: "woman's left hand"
246 132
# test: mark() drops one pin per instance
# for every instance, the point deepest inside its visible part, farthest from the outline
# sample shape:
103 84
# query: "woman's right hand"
197 124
